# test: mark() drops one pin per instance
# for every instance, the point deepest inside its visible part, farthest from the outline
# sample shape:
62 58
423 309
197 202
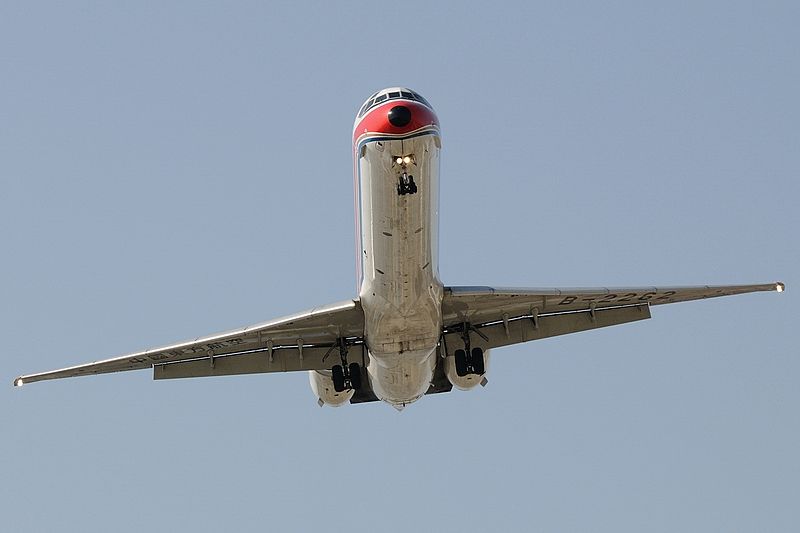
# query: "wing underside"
492 317
297 342
504 316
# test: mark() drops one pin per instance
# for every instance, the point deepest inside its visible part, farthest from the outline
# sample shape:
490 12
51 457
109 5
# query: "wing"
503 316
297 342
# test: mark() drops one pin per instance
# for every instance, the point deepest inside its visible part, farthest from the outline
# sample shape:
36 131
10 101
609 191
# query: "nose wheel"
406 185
405 181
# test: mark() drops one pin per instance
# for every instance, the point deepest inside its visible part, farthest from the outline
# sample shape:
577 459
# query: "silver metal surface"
482 304
400 292
521 328
318 326
287 360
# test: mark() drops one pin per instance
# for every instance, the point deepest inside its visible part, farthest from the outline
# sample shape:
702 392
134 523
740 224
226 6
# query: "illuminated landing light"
406 160
399 160
780 287
18 382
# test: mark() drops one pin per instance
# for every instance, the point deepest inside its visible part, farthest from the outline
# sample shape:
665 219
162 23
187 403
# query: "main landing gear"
469 360
345 376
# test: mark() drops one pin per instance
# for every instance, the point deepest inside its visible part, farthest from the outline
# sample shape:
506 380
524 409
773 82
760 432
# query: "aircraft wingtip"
780 287
18 382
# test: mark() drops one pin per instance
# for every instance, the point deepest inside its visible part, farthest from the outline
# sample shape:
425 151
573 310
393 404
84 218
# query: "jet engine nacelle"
470 380
322 385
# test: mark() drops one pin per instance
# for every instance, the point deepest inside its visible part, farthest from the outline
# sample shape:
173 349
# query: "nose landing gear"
406 184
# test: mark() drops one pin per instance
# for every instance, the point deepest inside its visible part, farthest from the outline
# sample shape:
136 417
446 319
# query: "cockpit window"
421 99
375 100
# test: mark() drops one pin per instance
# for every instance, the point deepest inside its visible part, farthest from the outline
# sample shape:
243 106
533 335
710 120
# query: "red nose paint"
377 119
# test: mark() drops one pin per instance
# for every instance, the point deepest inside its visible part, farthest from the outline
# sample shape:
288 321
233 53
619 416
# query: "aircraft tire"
477 361
337 375
461 363
355 375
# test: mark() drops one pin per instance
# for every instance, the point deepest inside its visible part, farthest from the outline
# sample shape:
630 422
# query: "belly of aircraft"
400 293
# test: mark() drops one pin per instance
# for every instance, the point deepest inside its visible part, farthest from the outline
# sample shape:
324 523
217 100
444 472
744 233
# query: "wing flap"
281 360
530 328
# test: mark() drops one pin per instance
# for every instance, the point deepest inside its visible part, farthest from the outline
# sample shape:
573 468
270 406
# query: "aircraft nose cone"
399 116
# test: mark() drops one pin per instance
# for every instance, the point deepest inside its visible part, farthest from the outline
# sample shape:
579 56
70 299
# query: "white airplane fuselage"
397 243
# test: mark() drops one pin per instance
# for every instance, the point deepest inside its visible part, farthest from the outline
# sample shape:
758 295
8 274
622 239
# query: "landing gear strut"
345 376
406 184
469 360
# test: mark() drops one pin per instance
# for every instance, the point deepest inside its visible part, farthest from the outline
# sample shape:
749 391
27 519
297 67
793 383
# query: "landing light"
18 382
399 160
779 287
406 160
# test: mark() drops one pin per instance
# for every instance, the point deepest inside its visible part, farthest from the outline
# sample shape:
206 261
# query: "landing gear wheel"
337 374
477 361
406 185
461 363
355 375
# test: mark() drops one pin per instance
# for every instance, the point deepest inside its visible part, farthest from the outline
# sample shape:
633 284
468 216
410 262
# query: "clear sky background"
175 169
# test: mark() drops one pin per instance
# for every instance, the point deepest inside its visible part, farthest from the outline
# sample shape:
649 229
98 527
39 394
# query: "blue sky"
175 169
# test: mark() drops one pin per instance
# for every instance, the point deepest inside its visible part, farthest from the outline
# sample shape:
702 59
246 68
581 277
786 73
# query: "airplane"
405 335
